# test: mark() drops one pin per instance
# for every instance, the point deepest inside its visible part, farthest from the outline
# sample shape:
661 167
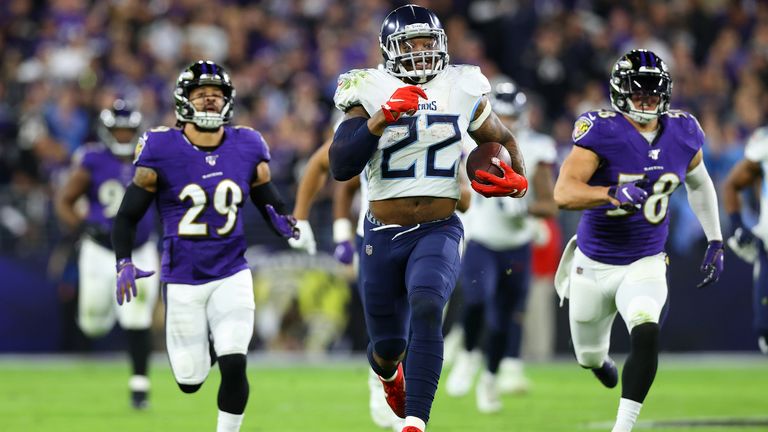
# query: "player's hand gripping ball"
488 167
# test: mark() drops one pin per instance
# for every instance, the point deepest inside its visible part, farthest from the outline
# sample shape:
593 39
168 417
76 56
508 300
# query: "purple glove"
631 196
344 252
712 265
285 225
127 273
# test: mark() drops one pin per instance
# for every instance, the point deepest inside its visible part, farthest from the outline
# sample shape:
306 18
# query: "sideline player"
621 171
496 266
749 244
199 175
101 172
404 124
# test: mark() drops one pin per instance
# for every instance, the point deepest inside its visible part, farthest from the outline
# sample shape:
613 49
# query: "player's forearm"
66 213
544 204
313 180
575 195
352 148
731 198
135 203
702 198
515 155
343 195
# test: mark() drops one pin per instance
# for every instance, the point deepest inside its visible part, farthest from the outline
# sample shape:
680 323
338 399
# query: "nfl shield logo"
368 250
211 159
654 154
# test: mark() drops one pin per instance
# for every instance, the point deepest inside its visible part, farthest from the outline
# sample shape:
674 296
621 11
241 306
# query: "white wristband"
342 230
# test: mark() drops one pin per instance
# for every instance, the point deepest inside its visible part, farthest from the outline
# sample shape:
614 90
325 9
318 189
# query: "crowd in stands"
61 61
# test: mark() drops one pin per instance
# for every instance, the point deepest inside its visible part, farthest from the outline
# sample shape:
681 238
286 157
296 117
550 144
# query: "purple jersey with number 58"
199 196
611 235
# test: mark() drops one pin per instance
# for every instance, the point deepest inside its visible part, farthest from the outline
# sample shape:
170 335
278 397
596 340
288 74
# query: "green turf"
92 396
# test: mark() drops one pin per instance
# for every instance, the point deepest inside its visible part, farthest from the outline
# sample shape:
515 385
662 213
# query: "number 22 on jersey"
226 198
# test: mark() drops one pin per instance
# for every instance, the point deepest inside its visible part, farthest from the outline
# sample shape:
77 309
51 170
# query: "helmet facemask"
644 81
402 63
192 78
117 118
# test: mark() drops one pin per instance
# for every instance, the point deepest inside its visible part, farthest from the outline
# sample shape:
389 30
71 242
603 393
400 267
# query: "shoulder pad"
756 149
471 79
689 126
80 154
349 85
255 147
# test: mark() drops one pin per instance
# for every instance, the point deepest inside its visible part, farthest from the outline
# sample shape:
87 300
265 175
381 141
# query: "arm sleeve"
703 200
352 148
135 203
267 194
756 149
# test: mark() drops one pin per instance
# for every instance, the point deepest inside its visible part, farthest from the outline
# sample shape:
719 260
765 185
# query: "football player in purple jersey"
101 172
624 165
199 175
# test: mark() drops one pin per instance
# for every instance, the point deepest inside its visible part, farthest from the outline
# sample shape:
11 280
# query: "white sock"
138 383
627 415
229 422
415 421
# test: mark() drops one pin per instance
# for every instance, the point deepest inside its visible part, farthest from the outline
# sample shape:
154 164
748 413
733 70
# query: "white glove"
747 251
307 240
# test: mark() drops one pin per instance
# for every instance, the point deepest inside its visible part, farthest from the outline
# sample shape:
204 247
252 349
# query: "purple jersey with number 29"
200 195
613 236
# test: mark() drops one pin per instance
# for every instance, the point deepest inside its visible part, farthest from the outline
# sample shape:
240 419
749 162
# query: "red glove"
512 184
404 100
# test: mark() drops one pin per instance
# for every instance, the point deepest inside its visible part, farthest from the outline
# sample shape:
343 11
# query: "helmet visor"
648 84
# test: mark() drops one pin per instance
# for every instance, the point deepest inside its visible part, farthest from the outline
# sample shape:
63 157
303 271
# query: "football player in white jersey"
496 266
749 244
404 125
101 172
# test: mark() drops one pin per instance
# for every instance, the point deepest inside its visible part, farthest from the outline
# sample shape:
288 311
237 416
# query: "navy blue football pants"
407 275
495 284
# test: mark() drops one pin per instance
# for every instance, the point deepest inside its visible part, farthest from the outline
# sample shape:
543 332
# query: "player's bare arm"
262 175
493 130
73 189
465 199
543 204
743 175
315 176
343 195
572 192
145 178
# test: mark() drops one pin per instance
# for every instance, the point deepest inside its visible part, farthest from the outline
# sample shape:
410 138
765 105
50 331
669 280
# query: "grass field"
91 395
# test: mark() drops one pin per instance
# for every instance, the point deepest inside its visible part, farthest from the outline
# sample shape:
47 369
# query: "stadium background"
61 61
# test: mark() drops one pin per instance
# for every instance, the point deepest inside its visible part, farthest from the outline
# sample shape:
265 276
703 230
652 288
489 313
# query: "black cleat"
139 400
608 374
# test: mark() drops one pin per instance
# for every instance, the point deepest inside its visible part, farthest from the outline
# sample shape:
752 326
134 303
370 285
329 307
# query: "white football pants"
97 305
223 308
637 291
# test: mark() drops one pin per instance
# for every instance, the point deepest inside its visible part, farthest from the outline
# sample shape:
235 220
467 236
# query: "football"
480 159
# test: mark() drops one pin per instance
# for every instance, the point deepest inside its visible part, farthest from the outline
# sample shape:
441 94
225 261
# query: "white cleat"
381 413
511 379
487 393
762 344
452 344
462 375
